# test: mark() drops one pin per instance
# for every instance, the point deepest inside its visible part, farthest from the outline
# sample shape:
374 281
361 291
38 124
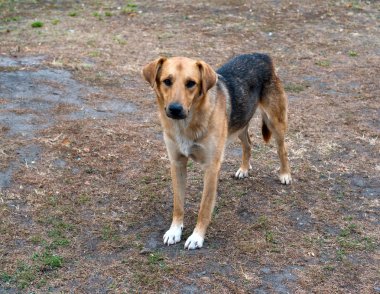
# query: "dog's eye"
190 84
167 82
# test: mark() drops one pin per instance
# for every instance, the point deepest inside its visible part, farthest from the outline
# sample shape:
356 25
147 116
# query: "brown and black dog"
200 110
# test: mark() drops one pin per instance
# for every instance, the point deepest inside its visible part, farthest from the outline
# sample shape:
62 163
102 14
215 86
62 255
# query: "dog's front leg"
207 206
178 173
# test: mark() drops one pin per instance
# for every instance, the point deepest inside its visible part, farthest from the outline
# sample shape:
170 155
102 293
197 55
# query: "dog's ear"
208 77
151 71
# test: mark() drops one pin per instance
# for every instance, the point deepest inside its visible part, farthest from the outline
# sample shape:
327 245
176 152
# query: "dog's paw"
194 241
173 235
285 179
241 173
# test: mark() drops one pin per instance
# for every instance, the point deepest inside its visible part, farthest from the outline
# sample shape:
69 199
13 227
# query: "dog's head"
179 83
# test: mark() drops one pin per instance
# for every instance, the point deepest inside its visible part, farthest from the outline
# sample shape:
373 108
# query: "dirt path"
85 190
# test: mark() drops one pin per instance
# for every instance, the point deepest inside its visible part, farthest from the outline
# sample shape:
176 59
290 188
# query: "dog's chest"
184 145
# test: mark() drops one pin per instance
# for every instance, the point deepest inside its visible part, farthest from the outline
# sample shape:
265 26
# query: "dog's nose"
176 111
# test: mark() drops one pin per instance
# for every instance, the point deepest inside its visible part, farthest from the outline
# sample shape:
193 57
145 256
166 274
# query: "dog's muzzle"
176 111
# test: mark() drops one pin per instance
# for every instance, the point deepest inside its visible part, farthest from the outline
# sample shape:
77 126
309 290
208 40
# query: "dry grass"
87 211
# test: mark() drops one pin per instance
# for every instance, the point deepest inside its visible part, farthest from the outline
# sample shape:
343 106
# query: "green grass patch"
340 254
94 54
5 278
108 233
352 53
42 262
24 275
150 272
329 268
98 15
58 242
12 18
156 258
27 273
350 238
294 88
130 8
262 223
269 237
51 260
351 228
55 21
323 63
37 24
73 13
82 199
36 240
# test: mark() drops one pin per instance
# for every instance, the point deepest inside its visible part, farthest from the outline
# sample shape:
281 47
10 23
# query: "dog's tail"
266 132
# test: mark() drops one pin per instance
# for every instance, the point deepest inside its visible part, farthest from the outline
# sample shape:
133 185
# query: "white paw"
285 179
194 241
241 173
173 235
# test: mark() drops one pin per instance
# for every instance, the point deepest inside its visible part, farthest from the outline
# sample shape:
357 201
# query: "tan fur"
203 134
274 107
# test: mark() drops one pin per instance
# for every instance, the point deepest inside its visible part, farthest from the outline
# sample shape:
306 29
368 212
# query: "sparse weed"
349 239
94 54
59 242
340 254
13 18
36 239
190 164
51 260
262 222
120 40
329 268
352 53
98 15
294 88
82 199
5 278
323 63
369 243
269 237
37 24
130 8
108 233
73 13
156 258
24 275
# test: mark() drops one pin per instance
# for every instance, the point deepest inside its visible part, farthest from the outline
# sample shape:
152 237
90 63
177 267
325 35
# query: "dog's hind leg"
273 106
246 144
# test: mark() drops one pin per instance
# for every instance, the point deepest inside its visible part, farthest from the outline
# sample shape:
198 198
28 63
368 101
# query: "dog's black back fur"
245 76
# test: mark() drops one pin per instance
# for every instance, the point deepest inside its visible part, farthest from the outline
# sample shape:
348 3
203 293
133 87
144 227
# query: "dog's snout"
175 108
176 111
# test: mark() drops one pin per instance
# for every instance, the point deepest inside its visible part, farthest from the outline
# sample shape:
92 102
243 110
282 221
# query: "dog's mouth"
176 115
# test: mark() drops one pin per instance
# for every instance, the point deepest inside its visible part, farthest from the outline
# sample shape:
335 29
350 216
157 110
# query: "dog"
200 110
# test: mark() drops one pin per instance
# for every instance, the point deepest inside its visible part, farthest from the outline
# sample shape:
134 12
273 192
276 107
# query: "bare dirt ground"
84 176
